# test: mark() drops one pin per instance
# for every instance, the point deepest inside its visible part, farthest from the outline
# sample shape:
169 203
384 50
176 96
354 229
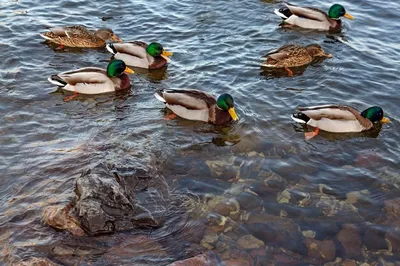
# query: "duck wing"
70 31
308 12
188 104
191 99
137 49
333 112
85 80
284 52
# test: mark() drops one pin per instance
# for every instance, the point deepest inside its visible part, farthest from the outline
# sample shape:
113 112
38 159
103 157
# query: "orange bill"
385 120
128 70
115 38
166 53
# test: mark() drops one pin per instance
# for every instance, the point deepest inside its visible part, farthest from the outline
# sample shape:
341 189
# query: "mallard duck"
139 54
293 55
313 18
198 105
79 36
338 118
93 80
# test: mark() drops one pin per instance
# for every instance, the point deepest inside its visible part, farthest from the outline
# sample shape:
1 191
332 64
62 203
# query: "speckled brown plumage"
293 55
79 36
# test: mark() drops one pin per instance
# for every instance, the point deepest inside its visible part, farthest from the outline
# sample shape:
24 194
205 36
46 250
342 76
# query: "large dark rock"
374 238
248 200
324 228
320 252
276 231
392 211
350 240
110 199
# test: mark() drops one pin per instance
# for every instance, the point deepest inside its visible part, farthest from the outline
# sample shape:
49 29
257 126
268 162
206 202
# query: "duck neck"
336 24
221 116
157 62
125 82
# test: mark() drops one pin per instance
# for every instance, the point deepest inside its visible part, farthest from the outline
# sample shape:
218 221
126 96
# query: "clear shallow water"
46 143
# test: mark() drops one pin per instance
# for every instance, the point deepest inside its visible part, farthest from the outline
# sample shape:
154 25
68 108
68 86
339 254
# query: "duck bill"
328 55
128 70
166 53
347 15
233 114
385 120
116 39
166 58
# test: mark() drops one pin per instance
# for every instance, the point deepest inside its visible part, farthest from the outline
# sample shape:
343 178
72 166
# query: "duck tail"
56 80
300 117
44 36
110 47
283 12
159 95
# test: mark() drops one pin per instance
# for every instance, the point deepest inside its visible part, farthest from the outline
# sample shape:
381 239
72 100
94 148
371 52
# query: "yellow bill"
128 70
347 15
385 120
115 38
233 114
166 53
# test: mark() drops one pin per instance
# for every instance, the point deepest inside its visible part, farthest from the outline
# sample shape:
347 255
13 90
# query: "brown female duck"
79 36
293 55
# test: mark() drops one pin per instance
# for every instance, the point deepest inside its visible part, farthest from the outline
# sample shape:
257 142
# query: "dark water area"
250 193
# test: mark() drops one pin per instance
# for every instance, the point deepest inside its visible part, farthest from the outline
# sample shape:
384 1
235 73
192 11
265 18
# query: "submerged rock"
250 242
223 170
227 207
374 238
110 199
276 231
36 262
249 200
349 238
135 247
199 260
320 251
209 241
392 211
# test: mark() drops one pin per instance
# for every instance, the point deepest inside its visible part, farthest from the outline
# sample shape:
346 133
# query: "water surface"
46 143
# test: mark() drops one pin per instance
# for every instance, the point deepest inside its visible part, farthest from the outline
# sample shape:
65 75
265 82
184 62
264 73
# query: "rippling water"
46 143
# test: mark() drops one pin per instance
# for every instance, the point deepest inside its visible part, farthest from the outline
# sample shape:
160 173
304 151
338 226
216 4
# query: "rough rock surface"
110 199
59 218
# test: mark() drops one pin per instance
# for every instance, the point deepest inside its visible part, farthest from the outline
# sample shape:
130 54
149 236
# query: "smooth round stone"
250 242
227 207
248 200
